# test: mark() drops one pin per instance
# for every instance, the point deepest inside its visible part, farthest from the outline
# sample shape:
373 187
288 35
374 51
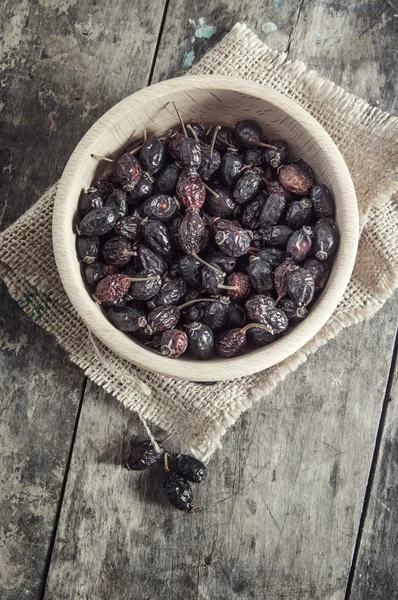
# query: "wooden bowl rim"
216 369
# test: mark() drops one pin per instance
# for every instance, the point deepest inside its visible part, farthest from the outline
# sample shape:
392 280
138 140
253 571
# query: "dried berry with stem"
322 201
231 342
281 274
191 468
88 249
97 222
301 287
273 209
118 251
200 340
326 238
173 343
297 177
299 243
90 200
177 490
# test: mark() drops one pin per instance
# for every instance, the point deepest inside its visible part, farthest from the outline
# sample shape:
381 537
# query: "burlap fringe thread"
199 415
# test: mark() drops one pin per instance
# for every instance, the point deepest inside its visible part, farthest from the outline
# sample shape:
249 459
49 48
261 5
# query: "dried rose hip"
112 288
320 271
232 240
153 154
90 200
145 290
294 314
128 171
297 177
148 260
262 309
166 181
248 133
301 287
222 206
322 200
277 156
276 235
236 316
200 340
231 168
171 292
257 336
251 212
173 144
97 222
160 207
190 189
281 274
192 232
194 313
299 213
117 251
88 249
273 209
247 186
191 468
239 285
163 317
225 138
128 318
300 243
225 263
260 275
142 190
129 227
211 161
118 202
326 238
190 153
142 456
230 342
178 492
173 343
96 271
254 157
157 236
272 256
215 315
212 281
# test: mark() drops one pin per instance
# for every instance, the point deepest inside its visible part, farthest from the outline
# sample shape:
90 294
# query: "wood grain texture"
222 100
279 509
376 576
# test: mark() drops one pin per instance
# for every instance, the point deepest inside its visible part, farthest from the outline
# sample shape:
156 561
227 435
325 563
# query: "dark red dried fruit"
166 181
320 271
211 161
225 138
276 235
129 227
128 171
104 187
260 275
88 249
173 343
248 133
174 143
153 154
262 309
128 318
117 251
190 271
281 274
294 314
326 238
160 207
297 177
252 211
96 271
231 240
278 156
299 213
241 283
273 209
97 222
236 316
272 256
171 292
163 317
215 315
231 168
301 287
194 313
230 342
247 186
148 260
118 202
322 200
221 260
178 491
223 206
300 243
142 190
200 341
142 456
111 288
190 189
90 200
192 232
190 153
254 157
257 336
157 236
145 290
212 280
191 468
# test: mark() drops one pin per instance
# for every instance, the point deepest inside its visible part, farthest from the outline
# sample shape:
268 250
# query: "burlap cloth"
197 414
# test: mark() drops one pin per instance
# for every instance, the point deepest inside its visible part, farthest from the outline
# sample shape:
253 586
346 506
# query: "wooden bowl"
213 100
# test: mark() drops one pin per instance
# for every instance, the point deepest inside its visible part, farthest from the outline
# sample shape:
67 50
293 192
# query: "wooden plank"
376 574
63 64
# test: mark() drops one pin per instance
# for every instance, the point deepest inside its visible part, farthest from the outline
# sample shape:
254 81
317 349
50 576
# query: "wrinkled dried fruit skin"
96 271
97 222
297 177
190 189
299 243
127 318
104 188
211 279
90 200
115 249
173 145
320 270
252 211
128 227
242 282
190 153
160 207
225 138
222 261
200 341
195 313
326 238
145 290
273 256
273 209
294 314
322 200
276 235
142 456
128 171
171 292
88 249
211 162
254 157
111 288
178 491
262 309
153 154
232 240
191 468
163 318
247 186
278 157
299 213
275 187
260 275
230 342
192 232
150 261
259 337
236 316
301 287
198 127
166 182
248 133
190 271
173 343
223 206
142 190
215 315
281 274
157 236
231 168
118 202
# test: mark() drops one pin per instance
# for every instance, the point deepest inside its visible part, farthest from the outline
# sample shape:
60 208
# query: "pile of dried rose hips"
207 241
183 468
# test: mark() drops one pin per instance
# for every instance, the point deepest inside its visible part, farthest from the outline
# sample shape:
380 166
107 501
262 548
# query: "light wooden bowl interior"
213 100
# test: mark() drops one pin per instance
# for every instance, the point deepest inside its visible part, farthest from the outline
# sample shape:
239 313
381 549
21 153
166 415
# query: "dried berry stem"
213 139
207 264
253 249
104 158
259 325
212 192
128 253
152 278
193 133
228 287
180 119
196 301
166 463
264 145
144 135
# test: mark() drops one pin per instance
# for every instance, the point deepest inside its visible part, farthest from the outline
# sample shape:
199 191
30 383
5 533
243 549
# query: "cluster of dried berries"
178 471
207 241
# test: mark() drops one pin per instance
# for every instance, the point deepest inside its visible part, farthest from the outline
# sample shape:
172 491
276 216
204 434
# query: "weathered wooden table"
293 508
